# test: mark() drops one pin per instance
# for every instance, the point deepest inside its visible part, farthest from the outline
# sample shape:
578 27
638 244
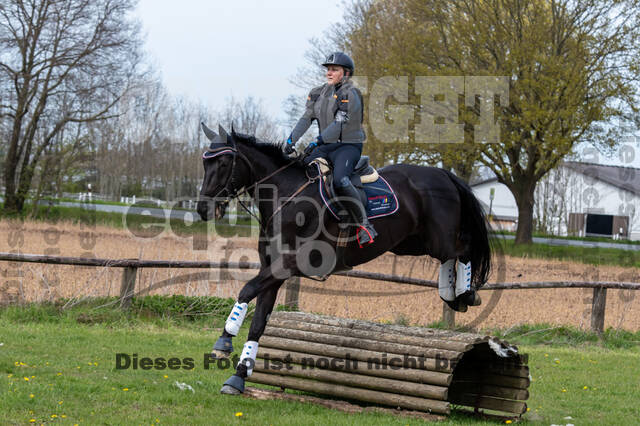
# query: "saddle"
363 173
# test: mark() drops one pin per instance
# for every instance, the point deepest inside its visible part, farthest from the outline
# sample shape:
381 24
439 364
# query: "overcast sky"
211 50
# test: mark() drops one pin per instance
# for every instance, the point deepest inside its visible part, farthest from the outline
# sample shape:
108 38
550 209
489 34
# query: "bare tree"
61 62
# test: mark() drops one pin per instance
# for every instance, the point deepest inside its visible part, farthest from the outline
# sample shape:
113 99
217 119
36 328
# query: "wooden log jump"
411 368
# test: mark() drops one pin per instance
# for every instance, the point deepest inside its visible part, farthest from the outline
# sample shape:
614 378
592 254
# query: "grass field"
58 366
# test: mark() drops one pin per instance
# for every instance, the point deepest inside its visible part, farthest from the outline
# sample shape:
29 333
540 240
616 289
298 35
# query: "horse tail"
474 229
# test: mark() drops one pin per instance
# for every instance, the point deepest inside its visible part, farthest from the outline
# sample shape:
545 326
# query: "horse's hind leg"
266 300
464 293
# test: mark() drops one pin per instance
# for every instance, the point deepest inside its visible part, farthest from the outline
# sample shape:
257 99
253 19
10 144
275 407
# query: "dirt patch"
341 296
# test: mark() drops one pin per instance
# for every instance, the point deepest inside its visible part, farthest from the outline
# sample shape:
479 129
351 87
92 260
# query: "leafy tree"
571 65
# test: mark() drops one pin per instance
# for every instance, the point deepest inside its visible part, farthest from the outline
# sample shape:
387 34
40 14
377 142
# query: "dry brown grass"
347 297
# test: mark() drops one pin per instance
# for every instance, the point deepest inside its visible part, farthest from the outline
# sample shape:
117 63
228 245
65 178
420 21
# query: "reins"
236 195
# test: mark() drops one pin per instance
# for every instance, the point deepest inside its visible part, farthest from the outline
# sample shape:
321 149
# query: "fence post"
598 306
292 293
448 315
128 286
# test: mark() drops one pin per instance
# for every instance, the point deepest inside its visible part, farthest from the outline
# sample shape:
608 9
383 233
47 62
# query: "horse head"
218 161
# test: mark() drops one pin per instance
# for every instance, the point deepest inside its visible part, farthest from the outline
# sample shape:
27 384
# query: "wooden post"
292 293
128 286
448 315
598 306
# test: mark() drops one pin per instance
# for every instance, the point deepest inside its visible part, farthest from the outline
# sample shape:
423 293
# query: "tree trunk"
524 199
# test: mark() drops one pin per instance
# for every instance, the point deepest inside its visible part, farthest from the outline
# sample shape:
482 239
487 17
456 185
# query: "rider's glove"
288 147
309 149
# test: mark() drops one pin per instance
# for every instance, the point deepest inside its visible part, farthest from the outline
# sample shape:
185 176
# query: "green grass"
560 237
138 224
70 364
589 255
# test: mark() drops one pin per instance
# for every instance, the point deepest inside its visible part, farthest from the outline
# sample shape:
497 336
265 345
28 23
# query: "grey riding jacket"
338 112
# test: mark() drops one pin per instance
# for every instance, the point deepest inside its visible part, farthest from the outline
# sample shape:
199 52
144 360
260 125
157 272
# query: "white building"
574 187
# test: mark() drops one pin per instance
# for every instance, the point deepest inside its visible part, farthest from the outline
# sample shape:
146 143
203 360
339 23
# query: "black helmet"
342 59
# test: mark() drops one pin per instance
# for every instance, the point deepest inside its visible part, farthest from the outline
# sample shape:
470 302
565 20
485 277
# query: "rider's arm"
307 118
349 108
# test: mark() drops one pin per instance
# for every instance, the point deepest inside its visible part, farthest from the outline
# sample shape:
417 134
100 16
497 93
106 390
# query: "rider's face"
334 74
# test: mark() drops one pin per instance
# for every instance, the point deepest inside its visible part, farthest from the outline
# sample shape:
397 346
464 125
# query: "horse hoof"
223 347
233 386
457 305
229 390
471 298
220 354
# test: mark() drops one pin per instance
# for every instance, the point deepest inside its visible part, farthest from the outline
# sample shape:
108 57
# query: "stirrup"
365 235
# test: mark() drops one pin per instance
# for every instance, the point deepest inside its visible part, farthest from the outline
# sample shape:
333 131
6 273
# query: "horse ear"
223 134
210 134
233 136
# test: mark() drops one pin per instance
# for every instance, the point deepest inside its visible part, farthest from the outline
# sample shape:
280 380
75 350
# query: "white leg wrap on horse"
235 319
248 357
463 278
446 280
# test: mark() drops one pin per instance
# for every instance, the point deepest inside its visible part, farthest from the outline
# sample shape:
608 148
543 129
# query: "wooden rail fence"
292 288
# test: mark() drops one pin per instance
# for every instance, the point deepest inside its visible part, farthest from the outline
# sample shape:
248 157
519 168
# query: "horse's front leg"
266 300
223 346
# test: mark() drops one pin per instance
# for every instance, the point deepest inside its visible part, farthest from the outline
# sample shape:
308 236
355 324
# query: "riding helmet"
342 59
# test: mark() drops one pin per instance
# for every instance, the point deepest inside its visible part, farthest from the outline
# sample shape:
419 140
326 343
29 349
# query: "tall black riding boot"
351 201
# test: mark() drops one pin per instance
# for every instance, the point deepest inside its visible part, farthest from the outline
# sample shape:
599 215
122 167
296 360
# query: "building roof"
627 178
482 180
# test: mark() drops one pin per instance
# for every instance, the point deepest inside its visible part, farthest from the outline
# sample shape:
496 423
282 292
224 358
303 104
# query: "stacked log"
405 367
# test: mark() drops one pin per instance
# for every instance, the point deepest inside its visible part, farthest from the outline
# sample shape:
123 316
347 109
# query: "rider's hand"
288 147
309 149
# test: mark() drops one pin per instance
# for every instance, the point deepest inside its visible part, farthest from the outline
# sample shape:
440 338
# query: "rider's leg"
344 160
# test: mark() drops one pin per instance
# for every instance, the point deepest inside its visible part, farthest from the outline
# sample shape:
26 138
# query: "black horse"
438 215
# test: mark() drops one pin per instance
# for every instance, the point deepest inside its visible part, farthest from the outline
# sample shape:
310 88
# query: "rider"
338 108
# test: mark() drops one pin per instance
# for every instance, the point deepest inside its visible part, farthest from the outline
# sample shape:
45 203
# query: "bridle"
233 193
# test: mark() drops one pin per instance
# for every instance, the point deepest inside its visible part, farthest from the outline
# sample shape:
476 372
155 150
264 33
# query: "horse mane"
272 150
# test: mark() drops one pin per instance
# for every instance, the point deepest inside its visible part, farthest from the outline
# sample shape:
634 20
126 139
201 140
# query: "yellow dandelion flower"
33 377
60 402
78 367
32 420
95 363
508 421
157 420
17 364
63 416
238 414
564 390
10 375
528 409
53 416
46 363
165 376
31 395
125 389
586 387
59 374
26 379
546 354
